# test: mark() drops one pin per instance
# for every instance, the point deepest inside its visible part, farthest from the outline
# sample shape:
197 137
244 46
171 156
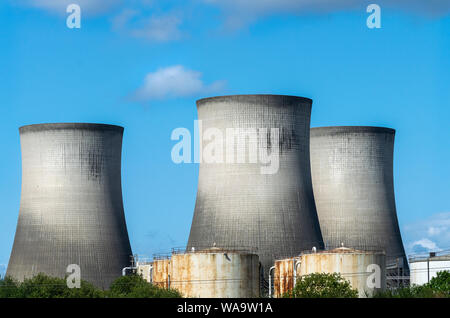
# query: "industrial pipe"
270 281
296 263
124 270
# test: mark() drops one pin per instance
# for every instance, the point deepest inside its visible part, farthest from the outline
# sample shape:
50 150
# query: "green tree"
438 287
441 283
134 286
9 288
322 285
43 286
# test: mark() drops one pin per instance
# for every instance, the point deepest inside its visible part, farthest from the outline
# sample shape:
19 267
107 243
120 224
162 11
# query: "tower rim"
318 131
58 126
249 96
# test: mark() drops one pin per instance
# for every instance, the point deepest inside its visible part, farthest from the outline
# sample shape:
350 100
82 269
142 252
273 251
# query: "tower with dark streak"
353 182
71 209
238 206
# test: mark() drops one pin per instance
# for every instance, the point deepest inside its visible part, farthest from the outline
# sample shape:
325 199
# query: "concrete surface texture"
352 173
71 209
238 206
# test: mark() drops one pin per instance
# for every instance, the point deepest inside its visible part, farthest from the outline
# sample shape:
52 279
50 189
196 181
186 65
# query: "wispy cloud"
431 234
155 28
241 12
174 81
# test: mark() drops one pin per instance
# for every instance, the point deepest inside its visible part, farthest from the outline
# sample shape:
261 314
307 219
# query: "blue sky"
115 70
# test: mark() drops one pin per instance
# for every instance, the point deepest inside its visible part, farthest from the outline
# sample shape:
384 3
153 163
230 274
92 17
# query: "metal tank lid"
347 250
250 97
214 249
419 259
58 126
327 130
338 250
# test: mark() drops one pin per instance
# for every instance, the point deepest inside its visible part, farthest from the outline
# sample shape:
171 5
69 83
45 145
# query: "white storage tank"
424 268
145 270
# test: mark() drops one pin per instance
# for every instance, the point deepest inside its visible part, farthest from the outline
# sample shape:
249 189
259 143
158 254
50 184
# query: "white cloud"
59 6
427 244
174 81
433 231
162 28
430 234
241 12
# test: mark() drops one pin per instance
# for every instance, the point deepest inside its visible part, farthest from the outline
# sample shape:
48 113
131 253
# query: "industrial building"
239 206
424 268
71 209
210 273
352 175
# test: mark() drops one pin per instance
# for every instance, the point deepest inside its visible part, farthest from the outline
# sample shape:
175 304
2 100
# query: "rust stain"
283 276
213 274
161 272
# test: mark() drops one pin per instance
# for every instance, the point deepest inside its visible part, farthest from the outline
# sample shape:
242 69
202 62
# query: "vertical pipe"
270 281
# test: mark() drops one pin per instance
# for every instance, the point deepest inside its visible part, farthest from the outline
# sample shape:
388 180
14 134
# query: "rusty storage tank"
352 174
251 202
71 209
161 272
358 267
284 275
216 273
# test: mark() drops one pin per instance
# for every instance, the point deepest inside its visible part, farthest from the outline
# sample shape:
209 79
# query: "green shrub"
322 285
9 288
441 283
438 287
43 286
134 286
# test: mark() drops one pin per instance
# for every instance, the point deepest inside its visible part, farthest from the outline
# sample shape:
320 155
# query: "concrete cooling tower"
240 204
71 209
352 174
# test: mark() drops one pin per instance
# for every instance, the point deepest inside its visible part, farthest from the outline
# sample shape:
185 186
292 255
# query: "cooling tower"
238 204
71 209
352 173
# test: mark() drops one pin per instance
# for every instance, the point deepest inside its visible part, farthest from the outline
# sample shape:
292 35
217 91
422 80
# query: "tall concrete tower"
239 204
71 209
352 173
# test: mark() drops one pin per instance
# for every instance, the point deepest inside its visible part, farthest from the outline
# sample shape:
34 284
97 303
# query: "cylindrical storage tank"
255 202
161 272
216 273
423 269
365 270
352 174
71 209
145 271
284 275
